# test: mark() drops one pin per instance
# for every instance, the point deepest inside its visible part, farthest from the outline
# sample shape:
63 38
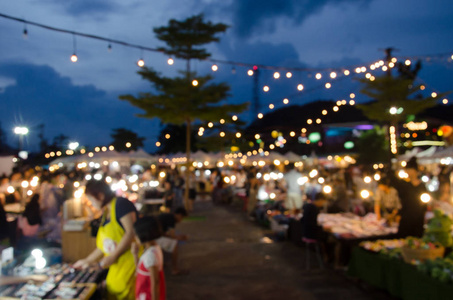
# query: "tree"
176 141
188 97
395 98
374 140
126 140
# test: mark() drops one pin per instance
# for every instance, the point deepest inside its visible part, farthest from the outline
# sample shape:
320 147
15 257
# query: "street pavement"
231 257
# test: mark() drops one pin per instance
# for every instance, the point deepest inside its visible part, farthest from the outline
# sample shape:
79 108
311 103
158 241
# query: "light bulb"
141 63
74 58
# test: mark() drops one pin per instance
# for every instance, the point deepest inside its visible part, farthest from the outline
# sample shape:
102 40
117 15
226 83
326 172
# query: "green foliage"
121 136
439 229
183 38
387 91
177 101
177 141
372 146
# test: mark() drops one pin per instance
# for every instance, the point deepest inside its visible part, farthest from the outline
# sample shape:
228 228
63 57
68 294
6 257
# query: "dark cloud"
283 54
87 7
39 95
250 16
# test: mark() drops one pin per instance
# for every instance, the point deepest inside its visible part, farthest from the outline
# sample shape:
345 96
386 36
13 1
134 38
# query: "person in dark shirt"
169 239
113 240
3 223
412 208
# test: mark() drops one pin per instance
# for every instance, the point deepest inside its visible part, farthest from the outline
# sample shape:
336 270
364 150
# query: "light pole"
20 131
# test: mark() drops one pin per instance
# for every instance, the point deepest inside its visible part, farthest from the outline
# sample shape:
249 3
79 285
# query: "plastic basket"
410 254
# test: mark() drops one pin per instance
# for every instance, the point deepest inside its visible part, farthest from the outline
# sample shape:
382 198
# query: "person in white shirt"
293 190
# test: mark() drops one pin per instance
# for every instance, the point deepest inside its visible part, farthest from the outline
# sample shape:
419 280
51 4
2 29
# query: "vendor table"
14 208
152 205
76 245
397 277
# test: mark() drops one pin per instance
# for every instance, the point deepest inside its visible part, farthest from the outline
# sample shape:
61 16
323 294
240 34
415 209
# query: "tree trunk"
188 163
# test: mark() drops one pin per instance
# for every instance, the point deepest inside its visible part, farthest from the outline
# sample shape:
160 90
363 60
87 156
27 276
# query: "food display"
348 225
382 245
440 268
63 282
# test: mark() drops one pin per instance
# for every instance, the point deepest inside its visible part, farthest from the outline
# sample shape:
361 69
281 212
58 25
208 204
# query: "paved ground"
228 259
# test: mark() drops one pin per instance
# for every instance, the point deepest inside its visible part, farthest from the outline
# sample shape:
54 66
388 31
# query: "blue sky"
40 85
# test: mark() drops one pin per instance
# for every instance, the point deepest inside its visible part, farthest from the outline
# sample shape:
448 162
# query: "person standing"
169 239
150 281
293 190
413 210
113 240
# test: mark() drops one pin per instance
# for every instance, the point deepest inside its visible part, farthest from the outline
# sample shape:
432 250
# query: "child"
150 282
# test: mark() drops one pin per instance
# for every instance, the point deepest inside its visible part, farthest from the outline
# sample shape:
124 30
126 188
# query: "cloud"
39 95
252 18
87 7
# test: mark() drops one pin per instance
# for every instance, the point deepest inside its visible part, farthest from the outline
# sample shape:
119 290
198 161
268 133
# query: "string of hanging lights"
332 70
278 72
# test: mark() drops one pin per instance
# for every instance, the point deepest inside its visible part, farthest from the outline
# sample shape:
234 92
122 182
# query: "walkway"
229 259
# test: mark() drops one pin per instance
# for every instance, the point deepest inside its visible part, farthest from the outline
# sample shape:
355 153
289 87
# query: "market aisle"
228 259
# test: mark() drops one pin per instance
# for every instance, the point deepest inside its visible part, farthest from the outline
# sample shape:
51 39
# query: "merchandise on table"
348 225
382 245
63 282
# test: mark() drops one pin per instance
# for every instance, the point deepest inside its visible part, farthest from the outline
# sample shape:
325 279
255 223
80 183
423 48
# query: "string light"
289 75
285 101
234 118
194 82
328 85
434 94
324 112
222 121
352 95
333 75
141 63
351 102
25 32
266 88
170 61
445 101
318 76
300 87
210 124
250 72
91 36
276 75
74 57
260 116
271 106
214 68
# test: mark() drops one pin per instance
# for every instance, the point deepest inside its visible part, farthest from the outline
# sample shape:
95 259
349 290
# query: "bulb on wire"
141 63
170 61
74 58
